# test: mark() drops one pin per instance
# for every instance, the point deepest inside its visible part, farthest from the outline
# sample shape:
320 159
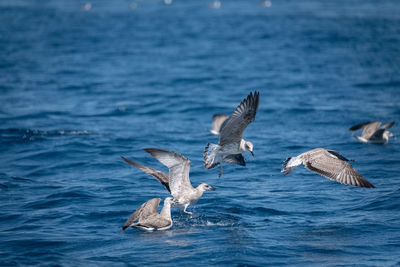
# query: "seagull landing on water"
231 144
328 163
372 133
177 181
218 122
147 218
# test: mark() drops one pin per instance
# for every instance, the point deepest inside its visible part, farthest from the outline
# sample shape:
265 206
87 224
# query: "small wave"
267 211
70 194
21 179
378 85
383 202
209 223
18 134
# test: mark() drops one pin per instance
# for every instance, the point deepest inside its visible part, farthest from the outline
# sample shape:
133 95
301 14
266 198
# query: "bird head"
249 147
169 200
206 187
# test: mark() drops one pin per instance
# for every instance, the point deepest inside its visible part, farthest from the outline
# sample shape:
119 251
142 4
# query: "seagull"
148 218
218 122
372 133
328 163
177 181
231 144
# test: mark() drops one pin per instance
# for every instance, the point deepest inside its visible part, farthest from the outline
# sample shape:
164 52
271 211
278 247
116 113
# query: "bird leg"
185 211
220 171
288 171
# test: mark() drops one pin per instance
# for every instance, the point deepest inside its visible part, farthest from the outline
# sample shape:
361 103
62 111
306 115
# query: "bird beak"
252 153
212 188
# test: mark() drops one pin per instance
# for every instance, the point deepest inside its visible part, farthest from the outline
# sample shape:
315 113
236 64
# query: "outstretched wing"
331 167
218 123
178 165
146 209
370 128
388 125
378 134
159 175
243 115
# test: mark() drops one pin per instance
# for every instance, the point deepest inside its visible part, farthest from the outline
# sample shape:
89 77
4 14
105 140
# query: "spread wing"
145 210
331 167
235 159
378 134
179 167
159 175
370 128
218 123
243 115
388 125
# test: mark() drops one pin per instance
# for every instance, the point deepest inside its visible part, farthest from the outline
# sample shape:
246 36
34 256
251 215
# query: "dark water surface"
80 88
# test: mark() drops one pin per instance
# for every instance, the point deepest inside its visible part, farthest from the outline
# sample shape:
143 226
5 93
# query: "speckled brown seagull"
231 144
328 163
372 133
147 218
177 181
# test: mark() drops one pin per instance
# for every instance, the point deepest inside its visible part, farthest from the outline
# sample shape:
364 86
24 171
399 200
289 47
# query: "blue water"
80 88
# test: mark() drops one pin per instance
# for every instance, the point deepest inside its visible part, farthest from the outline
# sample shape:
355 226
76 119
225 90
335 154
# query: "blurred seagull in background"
218 122
328 163
177 181
231 144
372 133
147 218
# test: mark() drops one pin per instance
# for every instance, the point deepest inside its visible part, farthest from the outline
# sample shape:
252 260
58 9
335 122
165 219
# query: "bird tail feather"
210 152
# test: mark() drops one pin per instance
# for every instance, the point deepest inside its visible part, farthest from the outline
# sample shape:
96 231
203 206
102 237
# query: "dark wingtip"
389 125
285 163
256 97
148 149
359 126
368 185
153 151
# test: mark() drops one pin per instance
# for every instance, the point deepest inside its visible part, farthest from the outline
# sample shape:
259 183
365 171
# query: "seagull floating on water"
328 163
218 122
177 181
231 144
372 133
148 218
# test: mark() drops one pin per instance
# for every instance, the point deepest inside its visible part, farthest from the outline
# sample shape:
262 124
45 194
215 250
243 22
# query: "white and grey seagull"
177 181
218 122
328 163
372 133
231 144
147 218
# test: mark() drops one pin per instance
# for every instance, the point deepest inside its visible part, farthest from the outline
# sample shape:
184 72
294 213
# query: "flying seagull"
177 181
147 218
231 144
218 122
372 133
328 163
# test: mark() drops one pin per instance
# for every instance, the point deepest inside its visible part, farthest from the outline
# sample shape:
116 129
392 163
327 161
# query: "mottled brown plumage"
328 163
